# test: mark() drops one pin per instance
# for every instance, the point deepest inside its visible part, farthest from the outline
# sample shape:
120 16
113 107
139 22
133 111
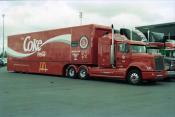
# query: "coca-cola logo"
32 45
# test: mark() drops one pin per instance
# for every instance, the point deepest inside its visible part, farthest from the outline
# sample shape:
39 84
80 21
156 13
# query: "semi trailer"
82 52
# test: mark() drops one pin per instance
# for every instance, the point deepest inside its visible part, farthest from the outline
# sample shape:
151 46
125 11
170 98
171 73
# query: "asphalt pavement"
34 95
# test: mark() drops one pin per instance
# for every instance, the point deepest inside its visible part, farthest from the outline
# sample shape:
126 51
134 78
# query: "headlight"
149 68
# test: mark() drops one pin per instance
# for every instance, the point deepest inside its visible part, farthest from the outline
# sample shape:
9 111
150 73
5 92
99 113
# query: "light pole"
81 17
3 15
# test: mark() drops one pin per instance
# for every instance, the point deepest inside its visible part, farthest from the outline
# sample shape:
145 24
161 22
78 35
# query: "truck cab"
131 62
157 44
167 50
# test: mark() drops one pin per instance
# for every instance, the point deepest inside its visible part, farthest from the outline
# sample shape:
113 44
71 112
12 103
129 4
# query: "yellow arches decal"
42 67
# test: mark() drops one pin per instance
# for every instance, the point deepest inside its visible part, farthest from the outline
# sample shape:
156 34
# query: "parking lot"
34 95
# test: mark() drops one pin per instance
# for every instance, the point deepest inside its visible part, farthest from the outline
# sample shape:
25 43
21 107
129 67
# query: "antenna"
3 15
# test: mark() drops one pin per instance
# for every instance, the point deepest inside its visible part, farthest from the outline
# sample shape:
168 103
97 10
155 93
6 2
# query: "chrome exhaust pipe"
112 48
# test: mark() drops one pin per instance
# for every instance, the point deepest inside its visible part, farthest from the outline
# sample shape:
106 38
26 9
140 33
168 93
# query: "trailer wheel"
83 73
134 77
71 72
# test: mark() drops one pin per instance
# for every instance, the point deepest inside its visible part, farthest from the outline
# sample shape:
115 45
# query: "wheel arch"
84 67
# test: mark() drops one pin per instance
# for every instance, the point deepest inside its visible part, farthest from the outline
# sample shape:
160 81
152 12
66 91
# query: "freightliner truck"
167 49
82 52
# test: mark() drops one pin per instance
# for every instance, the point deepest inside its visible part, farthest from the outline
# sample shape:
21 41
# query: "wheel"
134 77
71 72
83 73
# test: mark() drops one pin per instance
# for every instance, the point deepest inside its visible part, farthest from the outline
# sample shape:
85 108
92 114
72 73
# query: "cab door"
122 55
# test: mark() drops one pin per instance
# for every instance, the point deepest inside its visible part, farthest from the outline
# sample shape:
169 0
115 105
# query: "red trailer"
83 51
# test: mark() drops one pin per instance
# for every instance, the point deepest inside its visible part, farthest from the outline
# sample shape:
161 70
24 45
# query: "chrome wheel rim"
134 78
71 72
83 73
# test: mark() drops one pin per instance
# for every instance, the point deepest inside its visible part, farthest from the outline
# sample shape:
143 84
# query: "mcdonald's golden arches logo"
42 67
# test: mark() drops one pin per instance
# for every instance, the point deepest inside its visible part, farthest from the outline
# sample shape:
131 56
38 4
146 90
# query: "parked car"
3 61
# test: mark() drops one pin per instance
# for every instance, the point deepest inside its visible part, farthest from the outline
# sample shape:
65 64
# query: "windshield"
138 48
156 37
153 51
133 34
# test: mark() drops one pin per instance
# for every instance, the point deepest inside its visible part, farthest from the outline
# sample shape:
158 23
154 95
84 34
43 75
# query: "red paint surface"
96 56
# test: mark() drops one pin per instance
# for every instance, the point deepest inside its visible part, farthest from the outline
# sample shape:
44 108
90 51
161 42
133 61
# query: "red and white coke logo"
31 45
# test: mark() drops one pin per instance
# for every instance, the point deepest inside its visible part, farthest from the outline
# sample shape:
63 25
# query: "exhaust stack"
148 35
112 48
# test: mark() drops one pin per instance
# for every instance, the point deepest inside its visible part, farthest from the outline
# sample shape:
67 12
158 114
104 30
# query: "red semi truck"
84 51
166 49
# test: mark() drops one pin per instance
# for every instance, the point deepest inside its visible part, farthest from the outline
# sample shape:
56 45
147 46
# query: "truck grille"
169 63
159 63
172 65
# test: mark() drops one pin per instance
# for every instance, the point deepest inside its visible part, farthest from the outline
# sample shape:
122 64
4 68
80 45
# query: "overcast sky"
28 16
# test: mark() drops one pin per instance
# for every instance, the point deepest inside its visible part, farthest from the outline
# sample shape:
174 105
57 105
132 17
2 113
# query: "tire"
167 79
134 77
71 72
83 73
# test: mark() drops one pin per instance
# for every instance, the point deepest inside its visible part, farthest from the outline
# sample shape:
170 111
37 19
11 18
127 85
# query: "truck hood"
143 58
149 61
143 55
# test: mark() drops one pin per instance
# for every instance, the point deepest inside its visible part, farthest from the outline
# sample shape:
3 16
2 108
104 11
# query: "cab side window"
122 47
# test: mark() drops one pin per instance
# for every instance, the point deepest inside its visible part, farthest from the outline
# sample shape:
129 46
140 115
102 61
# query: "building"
159 32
